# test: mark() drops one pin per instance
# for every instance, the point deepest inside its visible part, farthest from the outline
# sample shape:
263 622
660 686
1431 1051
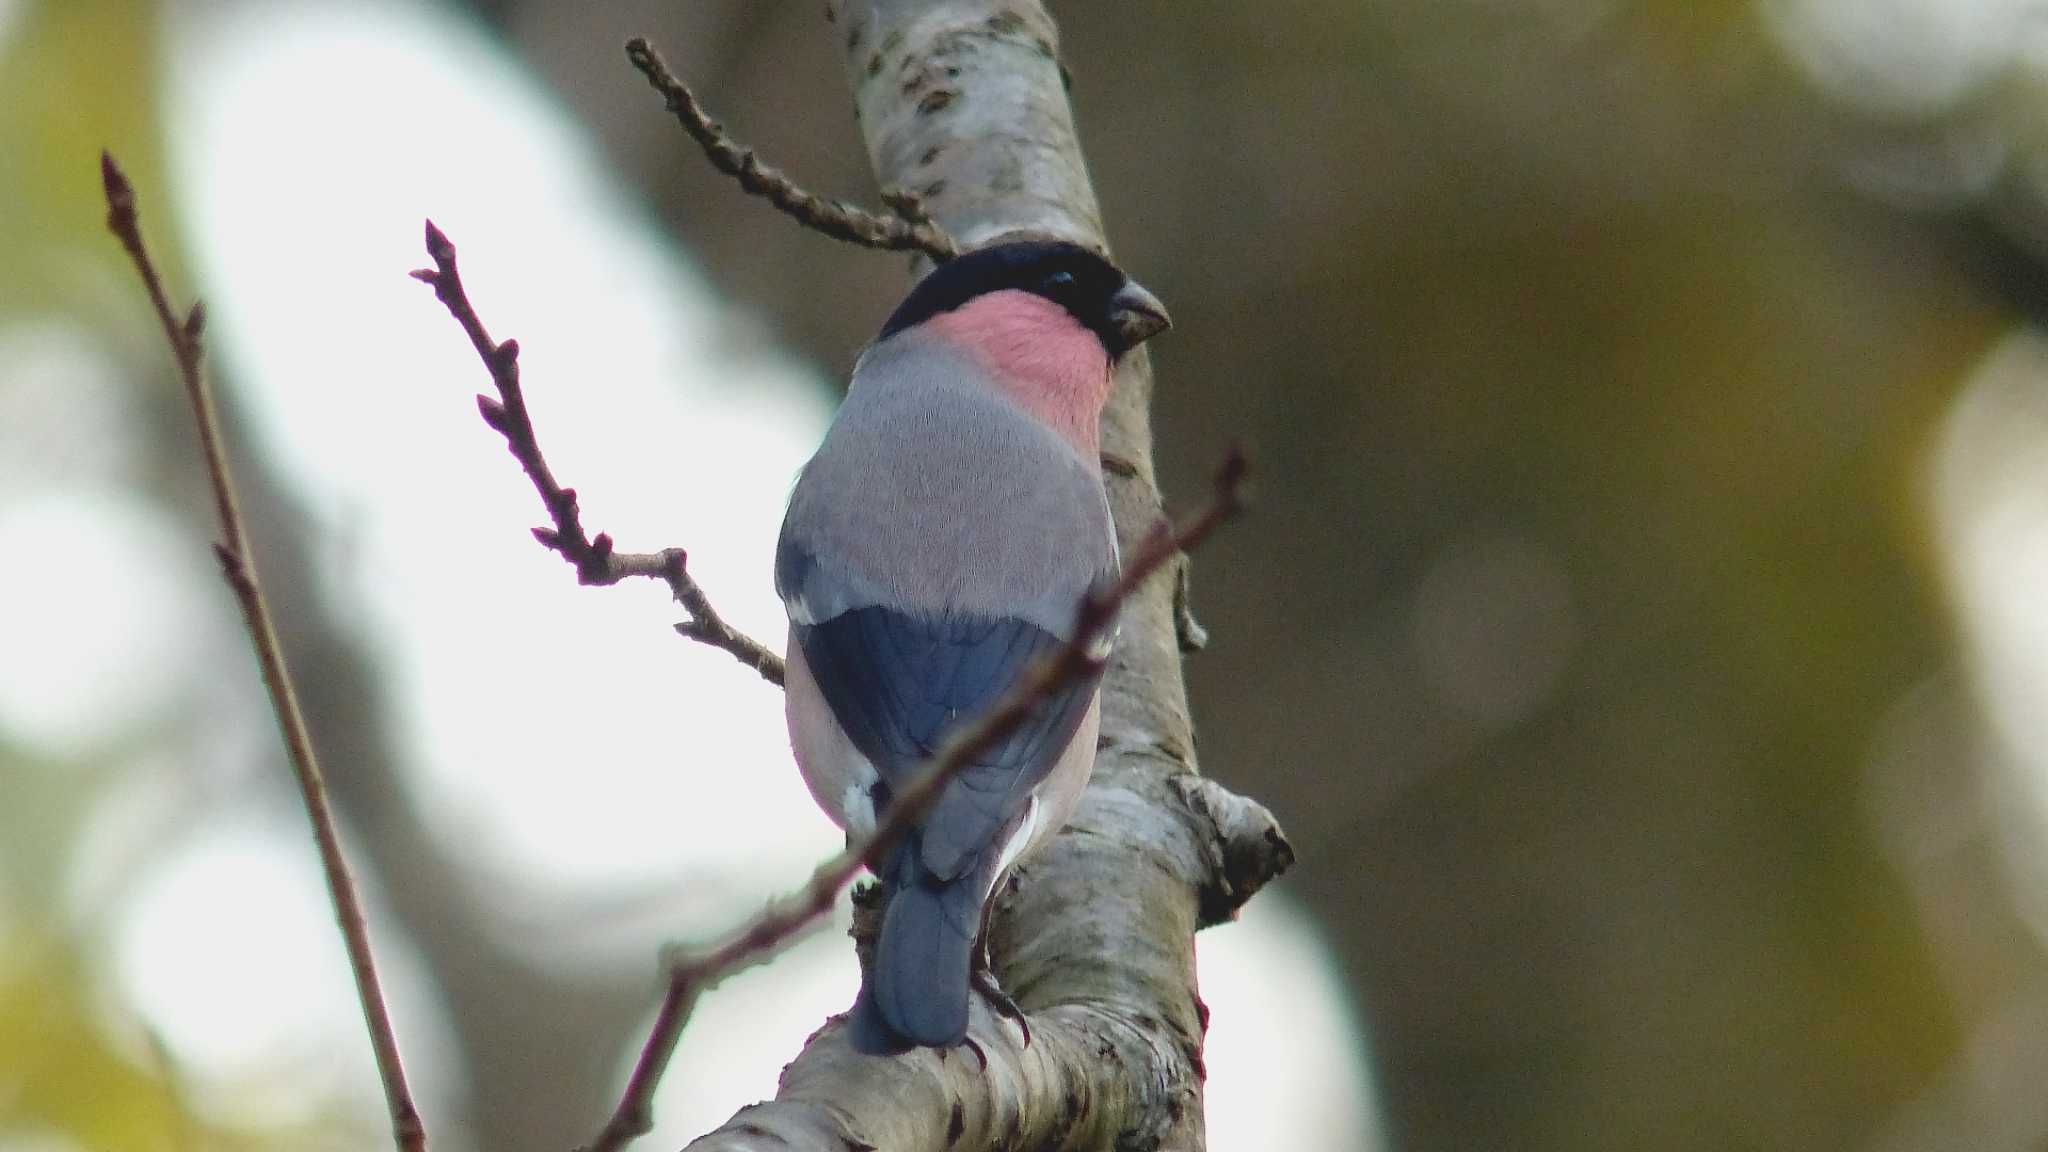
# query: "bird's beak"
1137 314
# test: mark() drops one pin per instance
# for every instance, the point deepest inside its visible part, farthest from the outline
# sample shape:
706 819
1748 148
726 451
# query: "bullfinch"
942 537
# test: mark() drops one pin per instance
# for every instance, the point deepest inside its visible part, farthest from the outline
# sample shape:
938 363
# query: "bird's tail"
916 993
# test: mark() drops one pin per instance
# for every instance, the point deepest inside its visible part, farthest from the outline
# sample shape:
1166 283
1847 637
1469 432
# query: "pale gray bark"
963 102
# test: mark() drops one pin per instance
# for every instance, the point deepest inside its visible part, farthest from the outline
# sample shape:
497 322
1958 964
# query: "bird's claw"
999 1000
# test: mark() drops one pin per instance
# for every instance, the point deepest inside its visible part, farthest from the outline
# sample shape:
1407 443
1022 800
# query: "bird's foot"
985 983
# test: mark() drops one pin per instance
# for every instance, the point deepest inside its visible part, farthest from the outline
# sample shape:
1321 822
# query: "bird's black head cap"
1081 280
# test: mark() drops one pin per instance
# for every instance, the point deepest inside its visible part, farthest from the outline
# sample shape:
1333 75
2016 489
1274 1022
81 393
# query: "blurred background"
1642 630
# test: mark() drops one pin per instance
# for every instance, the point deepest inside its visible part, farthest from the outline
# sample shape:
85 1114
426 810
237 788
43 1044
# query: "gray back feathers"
934 492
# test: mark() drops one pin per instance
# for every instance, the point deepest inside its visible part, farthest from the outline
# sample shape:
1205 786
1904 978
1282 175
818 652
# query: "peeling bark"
964 103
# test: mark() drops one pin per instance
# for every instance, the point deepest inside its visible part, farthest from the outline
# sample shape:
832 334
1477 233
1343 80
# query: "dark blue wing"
900 682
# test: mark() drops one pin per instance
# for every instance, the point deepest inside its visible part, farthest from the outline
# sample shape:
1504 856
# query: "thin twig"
238 567
595 560
910 230
761 938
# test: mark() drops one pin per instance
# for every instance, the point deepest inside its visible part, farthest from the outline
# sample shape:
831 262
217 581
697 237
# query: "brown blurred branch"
238 568
910 230
594 558
769 932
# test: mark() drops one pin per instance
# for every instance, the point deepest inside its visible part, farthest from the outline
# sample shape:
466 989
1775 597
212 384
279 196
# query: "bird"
941 539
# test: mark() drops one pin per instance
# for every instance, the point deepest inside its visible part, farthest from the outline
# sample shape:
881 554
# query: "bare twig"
595 560
761 938
238 568
910 230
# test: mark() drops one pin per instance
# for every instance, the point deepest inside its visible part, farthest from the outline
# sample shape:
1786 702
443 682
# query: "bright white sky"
1940 93
1990 489
1907 58
564 736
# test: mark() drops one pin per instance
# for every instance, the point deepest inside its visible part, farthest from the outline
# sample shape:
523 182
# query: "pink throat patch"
1040 356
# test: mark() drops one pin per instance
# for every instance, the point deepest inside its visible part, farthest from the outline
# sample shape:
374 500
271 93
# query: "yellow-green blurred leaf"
76 76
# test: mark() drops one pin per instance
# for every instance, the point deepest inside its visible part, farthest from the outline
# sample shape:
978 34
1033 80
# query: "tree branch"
780 922
238 568
965 100
910 230
595 560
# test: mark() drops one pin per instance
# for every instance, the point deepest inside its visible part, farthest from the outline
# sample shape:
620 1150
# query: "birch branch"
964 103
